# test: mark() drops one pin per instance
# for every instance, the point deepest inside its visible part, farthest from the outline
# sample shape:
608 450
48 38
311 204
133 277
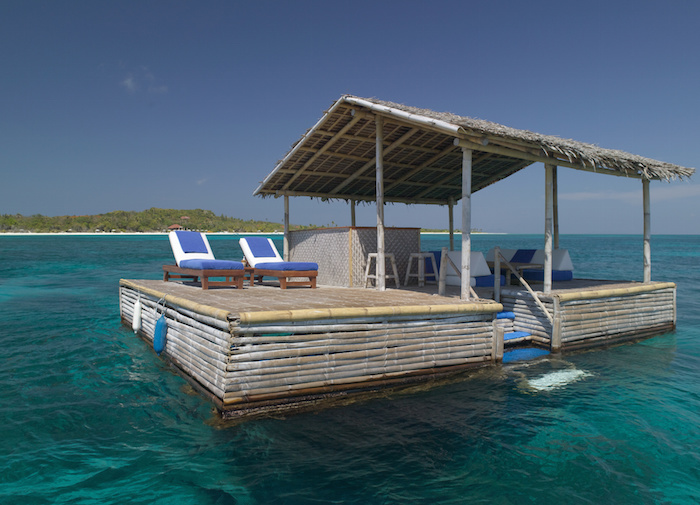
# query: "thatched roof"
423 156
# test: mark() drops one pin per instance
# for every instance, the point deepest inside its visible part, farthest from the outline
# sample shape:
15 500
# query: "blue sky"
127 105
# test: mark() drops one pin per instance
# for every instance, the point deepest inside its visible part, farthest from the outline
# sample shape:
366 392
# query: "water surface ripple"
90 415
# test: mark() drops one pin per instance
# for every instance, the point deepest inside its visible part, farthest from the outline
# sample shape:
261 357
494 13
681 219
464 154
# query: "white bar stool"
388 256
421 275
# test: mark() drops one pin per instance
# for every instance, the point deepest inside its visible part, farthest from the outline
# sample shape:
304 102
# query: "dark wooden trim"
233 277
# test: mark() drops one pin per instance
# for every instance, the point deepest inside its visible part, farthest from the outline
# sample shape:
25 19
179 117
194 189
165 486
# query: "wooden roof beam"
512 153
422 166
476 159
323 149
373 161
368 198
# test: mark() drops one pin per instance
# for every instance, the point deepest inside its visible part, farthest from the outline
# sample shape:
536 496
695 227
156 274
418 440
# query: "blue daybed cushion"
191 242
204 264
287 266
557 275
481 281
484 281
260 247
523 256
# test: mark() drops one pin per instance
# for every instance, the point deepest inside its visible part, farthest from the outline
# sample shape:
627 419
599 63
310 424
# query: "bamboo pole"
548 227
303 369
466 221
555 206
647 230
442 276
606 293
360 336
359 324
556 327
286 228
395 371
451 221
381 258
388 312
497 274
352 213
388 380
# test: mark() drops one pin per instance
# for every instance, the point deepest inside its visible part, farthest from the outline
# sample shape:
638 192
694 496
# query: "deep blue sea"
90 415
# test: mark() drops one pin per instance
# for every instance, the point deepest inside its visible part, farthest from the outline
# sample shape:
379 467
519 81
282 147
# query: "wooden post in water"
442 274
451 218
555 344
466 221
286 228
555 207
381 259
647 230
497 274
548 225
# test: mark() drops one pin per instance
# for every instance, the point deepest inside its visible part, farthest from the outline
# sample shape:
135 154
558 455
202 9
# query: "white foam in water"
557 379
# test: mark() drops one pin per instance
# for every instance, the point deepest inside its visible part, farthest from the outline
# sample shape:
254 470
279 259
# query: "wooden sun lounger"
284 275
233 277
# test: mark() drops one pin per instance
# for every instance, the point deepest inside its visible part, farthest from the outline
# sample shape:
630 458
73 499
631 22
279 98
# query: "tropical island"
152 220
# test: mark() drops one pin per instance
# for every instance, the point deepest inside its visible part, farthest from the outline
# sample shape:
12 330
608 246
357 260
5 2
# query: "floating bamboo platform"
263 349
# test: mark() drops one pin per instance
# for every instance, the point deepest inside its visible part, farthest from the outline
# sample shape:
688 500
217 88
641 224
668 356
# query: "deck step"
512 335
523 354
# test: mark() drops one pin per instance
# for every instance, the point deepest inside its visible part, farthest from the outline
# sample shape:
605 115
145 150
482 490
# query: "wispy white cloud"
202 181
142 79
129 83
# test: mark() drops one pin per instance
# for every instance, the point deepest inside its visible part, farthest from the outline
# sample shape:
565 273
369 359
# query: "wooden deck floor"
270 297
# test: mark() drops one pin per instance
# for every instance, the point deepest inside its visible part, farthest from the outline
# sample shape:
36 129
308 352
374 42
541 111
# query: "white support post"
555 206
286 228
466 221
647 230
548 227
451 219
381 259
352 213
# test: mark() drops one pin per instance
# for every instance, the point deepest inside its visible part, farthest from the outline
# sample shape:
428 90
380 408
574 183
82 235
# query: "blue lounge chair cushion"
484 281
557 275
212 264
505 315
523 256
260 247
191 242
287 266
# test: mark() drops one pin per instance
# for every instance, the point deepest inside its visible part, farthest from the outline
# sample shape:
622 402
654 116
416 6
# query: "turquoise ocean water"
90 415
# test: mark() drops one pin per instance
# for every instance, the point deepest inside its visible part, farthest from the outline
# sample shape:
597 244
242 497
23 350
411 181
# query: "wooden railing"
498 258
444 262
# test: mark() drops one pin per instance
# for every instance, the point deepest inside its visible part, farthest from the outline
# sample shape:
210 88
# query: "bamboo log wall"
196 345
299 358
589 318
289 358
616 315
251 360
